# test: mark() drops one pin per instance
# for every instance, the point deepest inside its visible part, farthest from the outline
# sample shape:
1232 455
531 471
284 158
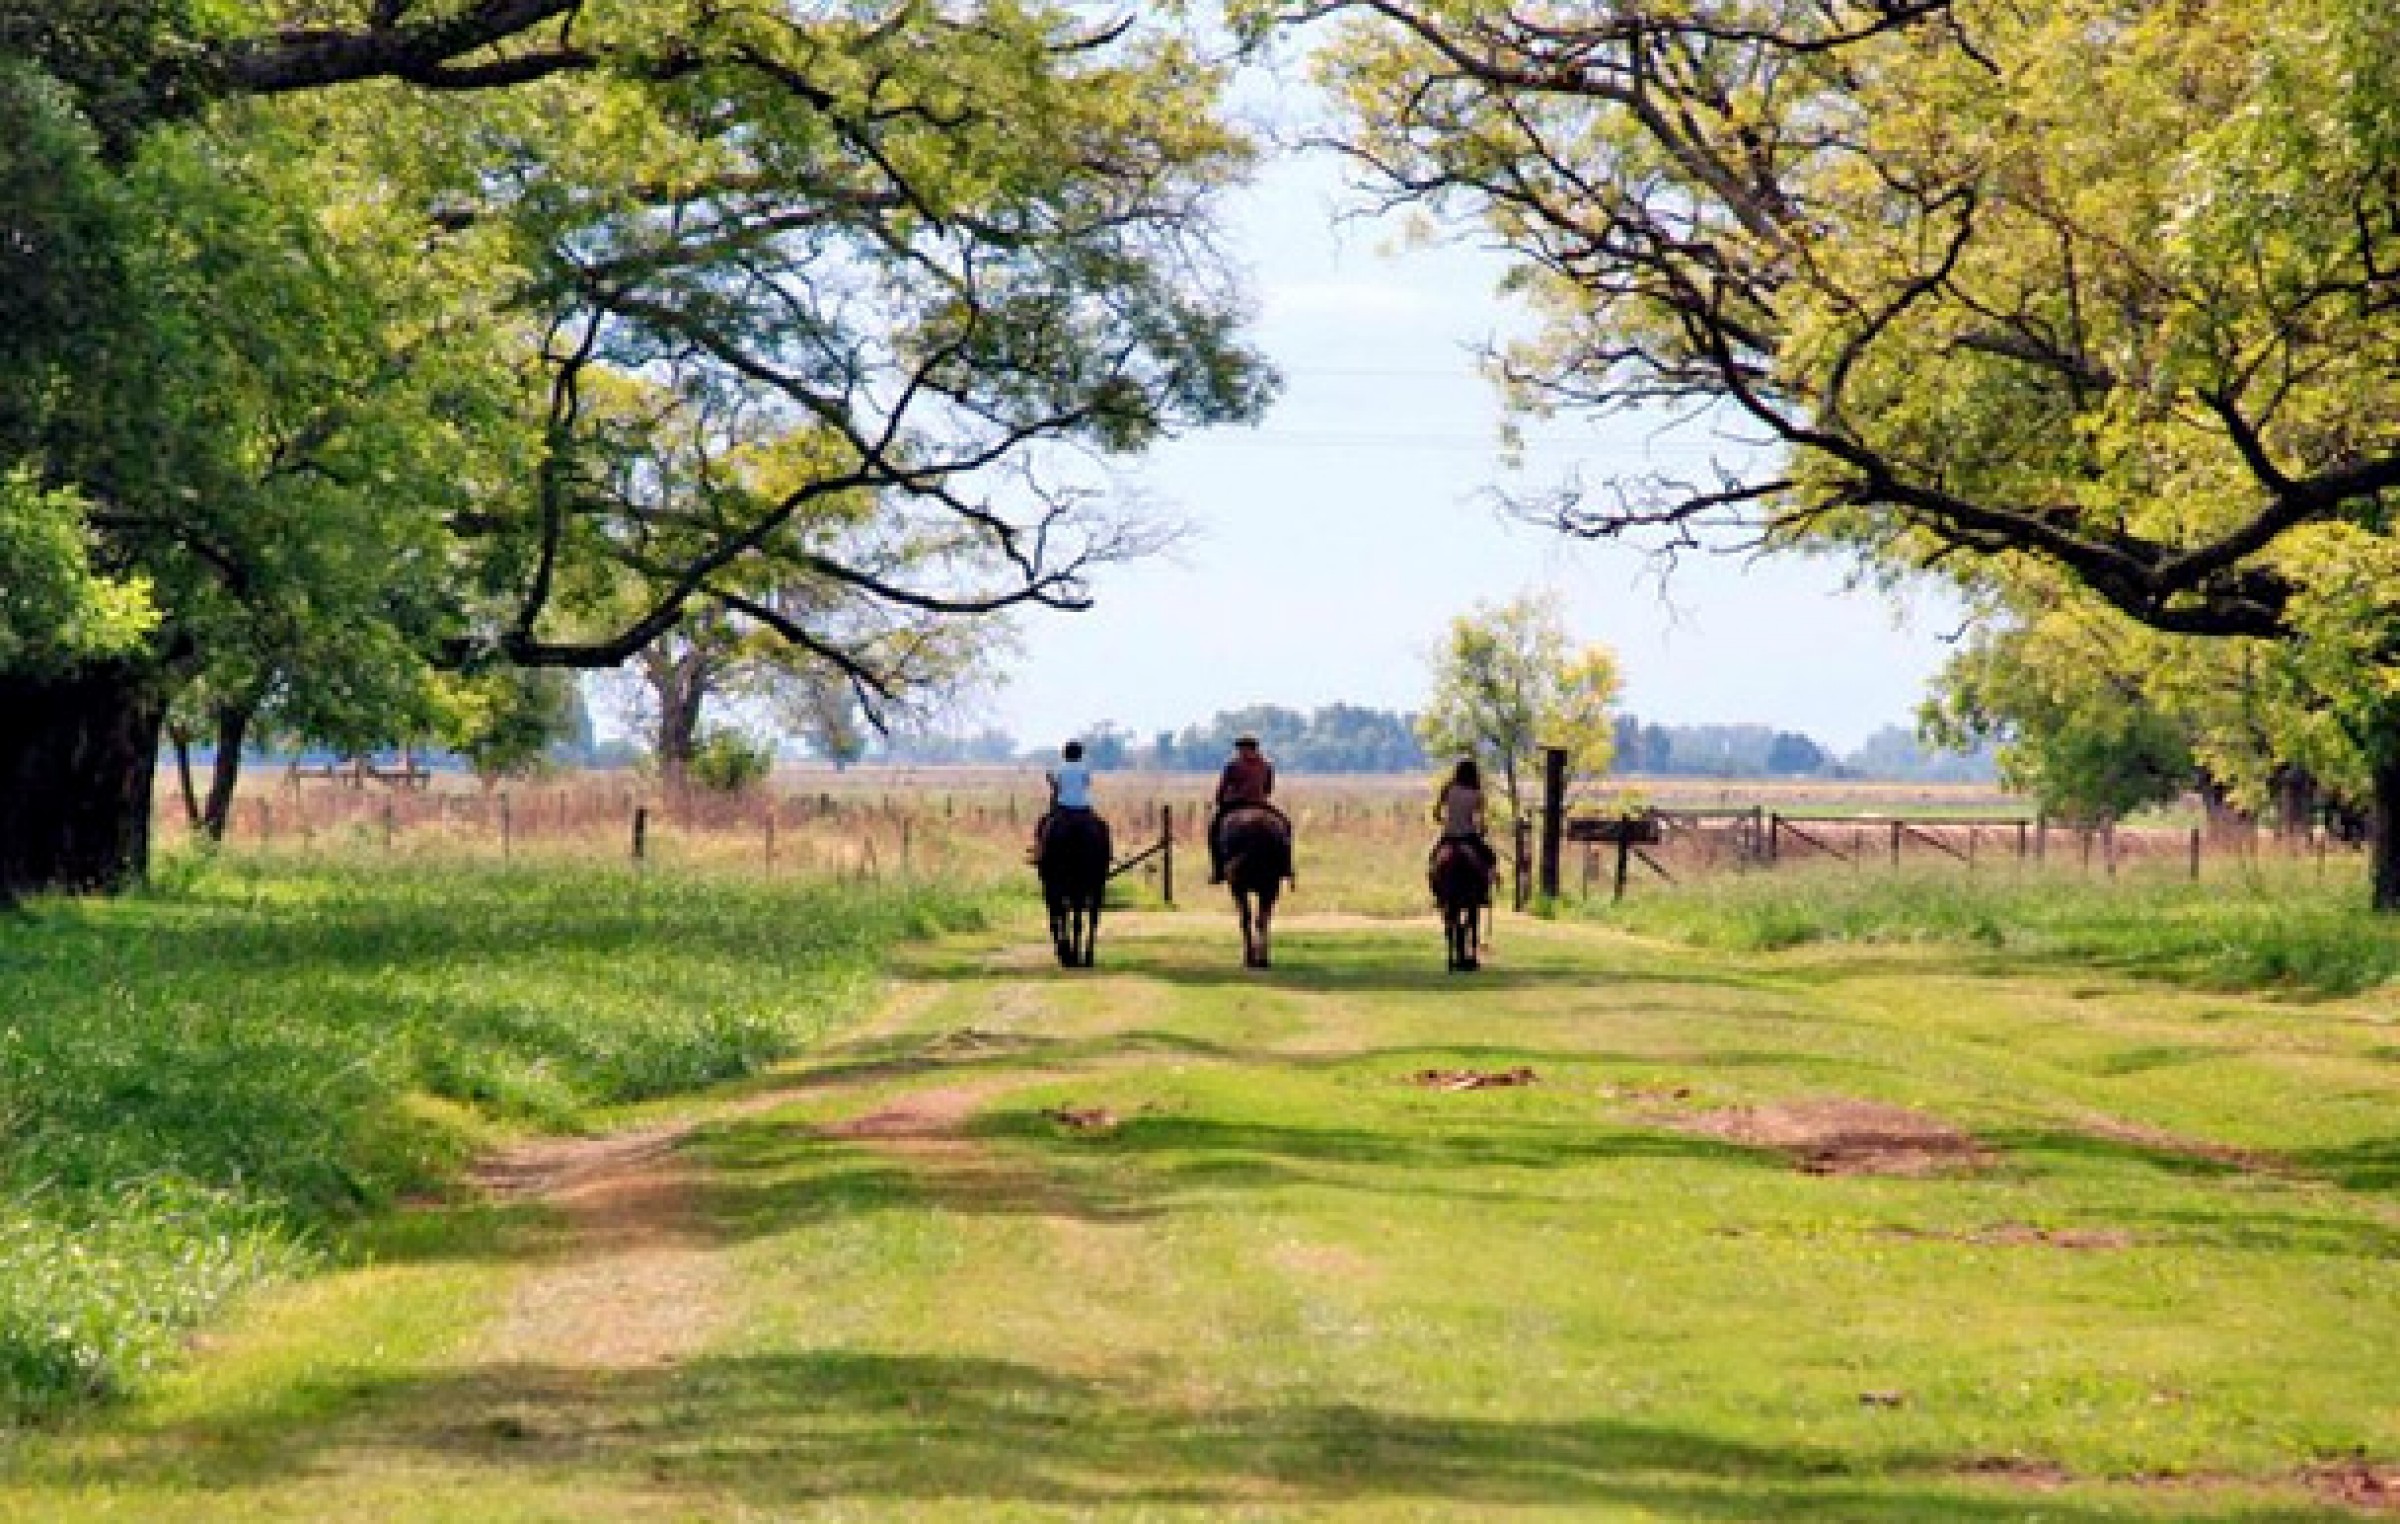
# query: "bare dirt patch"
548 1166
2026 1235
925 1115
639 1285
1087 1121
1843 1137
639 1282
2020 1471
2358 1483
1473 1079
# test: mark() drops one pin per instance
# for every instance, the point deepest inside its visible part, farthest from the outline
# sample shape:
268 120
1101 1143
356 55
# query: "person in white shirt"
1070 789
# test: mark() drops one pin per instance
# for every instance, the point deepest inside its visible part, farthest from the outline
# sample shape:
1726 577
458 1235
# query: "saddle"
1235 809
1071 827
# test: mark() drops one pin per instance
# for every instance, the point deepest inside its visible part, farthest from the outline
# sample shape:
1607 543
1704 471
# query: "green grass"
2279 929
1289 1284
202 1086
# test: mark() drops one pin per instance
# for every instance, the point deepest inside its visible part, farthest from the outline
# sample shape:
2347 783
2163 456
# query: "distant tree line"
1892 754
1354 738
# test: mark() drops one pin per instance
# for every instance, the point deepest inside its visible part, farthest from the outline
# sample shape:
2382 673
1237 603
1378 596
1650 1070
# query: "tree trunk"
233 729
2295 803
78 757
682 691
192 815
2383 836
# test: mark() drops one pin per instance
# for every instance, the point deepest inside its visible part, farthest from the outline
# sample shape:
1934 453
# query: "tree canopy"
383 341
1972 284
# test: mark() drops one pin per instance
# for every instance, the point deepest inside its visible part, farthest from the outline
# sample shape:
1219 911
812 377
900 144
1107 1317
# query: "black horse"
1257 839
1462 886
1073 865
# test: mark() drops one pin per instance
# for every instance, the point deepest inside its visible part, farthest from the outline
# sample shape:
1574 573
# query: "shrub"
729 762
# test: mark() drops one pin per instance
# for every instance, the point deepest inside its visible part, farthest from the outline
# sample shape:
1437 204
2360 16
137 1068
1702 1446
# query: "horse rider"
1070 789
1460 810
1247 782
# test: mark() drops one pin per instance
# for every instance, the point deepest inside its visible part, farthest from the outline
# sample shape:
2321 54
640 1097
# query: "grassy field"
203 1087
1362 837
1862 1230
2281 926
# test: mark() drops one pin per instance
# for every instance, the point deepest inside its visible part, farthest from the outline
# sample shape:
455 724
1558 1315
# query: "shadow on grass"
784 1432
768 1178
1365 962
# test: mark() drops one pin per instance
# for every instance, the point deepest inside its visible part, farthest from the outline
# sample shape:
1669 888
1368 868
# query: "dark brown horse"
1257 839
1074 866
1462 886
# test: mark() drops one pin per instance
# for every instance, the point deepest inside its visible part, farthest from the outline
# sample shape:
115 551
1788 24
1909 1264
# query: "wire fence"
1361 841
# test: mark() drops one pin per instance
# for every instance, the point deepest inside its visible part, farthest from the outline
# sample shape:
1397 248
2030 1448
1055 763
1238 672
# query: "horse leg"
1241 903
1266 929
1091 933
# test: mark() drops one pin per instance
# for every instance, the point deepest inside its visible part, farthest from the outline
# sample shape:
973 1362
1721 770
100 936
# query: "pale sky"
1334 542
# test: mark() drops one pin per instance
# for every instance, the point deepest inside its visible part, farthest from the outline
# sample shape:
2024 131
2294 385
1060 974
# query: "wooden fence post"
1166 854
1524 854
2195 854
641 832
507 831
1554 816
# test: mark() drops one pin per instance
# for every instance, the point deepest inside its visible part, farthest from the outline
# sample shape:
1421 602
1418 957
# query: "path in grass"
1168 1240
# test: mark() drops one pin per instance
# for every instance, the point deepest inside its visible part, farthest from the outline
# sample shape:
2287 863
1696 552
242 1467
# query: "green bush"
728 762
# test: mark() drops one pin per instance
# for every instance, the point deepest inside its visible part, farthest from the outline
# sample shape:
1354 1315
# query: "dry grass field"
1361 838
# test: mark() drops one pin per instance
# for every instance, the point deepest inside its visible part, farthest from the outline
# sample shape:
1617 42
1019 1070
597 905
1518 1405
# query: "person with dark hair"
1460 809
1247 782
1070 789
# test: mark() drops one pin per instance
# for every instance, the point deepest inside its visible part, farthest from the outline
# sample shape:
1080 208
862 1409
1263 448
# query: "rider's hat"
1245 739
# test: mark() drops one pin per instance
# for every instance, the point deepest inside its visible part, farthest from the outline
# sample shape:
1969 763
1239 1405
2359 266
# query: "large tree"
2105 284
469 274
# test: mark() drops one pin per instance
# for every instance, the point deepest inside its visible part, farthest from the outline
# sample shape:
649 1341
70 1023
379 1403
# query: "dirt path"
639 1282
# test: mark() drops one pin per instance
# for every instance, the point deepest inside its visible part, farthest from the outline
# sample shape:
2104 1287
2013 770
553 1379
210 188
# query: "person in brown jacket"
1247 782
